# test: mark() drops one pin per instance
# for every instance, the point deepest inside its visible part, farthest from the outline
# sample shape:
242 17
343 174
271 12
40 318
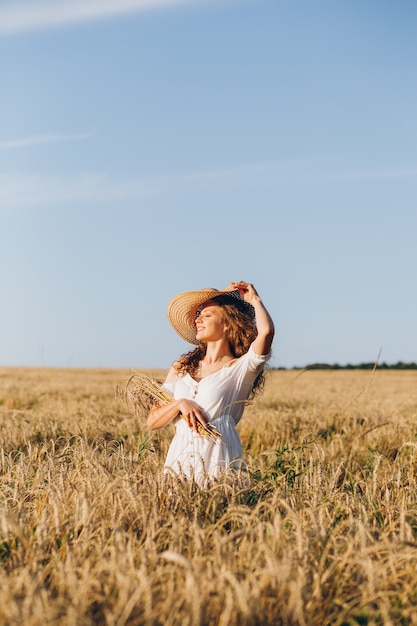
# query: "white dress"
222 395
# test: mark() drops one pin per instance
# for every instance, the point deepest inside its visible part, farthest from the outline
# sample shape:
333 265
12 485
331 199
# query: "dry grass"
324 534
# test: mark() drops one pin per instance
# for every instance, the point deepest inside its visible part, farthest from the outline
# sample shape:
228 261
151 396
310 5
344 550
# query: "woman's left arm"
264 323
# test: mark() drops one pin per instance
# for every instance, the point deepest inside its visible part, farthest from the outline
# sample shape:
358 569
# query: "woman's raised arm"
264 322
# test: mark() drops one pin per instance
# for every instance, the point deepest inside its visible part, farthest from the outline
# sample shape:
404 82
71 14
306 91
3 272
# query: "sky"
153 147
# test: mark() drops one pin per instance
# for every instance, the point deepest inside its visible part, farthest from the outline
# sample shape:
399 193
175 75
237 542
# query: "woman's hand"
161 415
247 291
193 413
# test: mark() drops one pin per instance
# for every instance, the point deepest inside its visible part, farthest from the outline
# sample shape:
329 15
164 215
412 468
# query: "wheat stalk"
142 392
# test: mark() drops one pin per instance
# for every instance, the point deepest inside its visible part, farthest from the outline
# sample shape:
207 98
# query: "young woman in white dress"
233 332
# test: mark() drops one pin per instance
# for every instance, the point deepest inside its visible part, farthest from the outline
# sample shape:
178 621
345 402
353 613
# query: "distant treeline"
400 365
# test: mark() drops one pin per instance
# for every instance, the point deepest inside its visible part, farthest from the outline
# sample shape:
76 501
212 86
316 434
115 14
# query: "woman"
233 332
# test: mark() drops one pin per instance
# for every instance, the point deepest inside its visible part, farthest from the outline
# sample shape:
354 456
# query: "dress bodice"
225 391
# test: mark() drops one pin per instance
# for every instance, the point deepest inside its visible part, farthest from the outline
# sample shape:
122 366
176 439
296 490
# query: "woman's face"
210 324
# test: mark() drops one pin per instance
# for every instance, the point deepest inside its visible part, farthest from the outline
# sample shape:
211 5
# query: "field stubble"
324 532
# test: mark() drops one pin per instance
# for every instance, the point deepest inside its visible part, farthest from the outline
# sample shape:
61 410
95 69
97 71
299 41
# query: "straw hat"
183 308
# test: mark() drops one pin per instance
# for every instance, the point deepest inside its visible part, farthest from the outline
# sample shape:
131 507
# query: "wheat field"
323 532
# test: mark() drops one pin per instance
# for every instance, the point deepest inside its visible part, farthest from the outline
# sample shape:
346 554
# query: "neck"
217 352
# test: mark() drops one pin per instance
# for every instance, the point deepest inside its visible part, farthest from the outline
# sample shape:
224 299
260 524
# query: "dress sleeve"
256 361
170 386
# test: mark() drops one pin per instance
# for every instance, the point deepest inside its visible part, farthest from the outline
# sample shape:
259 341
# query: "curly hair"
239 317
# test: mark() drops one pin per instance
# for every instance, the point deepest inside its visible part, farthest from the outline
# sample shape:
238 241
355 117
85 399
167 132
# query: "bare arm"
264 323
161 415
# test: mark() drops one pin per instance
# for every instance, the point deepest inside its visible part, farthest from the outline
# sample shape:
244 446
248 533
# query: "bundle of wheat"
141 392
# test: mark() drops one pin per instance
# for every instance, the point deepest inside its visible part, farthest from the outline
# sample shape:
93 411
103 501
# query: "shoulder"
254 354
172 374
254 359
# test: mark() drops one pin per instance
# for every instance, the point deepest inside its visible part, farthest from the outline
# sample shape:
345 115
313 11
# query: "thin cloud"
34 190
38 189
38 140
379 174
17 17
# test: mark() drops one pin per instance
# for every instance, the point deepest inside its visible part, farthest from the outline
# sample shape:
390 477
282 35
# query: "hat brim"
182 309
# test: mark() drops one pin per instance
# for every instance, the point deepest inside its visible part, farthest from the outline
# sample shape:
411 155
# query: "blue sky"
148 148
